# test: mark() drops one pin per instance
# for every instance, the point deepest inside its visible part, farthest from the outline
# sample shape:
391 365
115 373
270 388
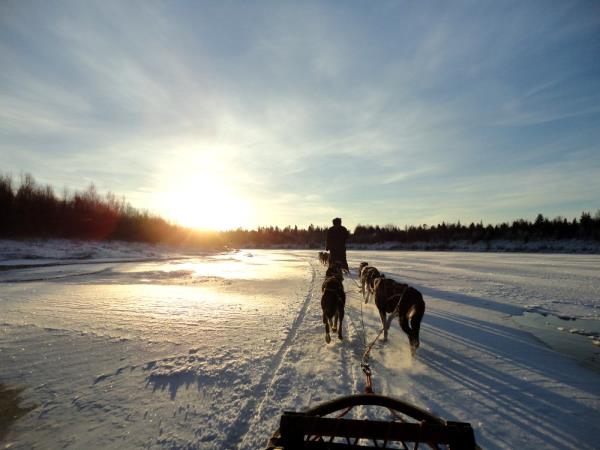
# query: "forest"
31 210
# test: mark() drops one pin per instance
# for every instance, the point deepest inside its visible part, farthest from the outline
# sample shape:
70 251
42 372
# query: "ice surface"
173 351
67 249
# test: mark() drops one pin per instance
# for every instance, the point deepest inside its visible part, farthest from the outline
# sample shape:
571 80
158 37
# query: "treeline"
543 228
31 210
586 228
311 237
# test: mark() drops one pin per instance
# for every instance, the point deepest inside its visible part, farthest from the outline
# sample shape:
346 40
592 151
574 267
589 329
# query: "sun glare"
205 202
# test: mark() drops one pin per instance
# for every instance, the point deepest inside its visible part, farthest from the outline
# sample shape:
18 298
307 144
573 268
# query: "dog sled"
330 426
324 427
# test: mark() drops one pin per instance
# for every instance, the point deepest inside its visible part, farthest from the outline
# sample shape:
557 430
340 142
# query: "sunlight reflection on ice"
240 265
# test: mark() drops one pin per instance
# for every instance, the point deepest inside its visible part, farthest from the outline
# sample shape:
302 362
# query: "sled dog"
367 275
393 297
324 258
333 301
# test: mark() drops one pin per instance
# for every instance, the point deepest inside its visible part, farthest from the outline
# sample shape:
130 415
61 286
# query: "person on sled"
335 244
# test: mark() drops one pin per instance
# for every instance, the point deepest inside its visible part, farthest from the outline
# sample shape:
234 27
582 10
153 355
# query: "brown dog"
393 297
333 302
367 275
324 258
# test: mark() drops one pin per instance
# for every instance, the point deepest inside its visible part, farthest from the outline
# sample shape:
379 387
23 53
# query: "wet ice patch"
557 332
164 277
12 408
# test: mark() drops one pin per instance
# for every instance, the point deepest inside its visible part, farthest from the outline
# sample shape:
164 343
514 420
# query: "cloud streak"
404 113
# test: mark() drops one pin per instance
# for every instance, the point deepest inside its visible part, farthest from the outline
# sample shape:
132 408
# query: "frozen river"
173 351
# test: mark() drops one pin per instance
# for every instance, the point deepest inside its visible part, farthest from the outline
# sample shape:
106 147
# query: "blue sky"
225 114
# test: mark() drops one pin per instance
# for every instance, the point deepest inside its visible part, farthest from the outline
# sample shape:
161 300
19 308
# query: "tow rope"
364 364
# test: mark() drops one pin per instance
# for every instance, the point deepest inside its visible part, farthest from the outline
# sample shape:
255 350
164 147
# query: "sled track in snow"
241 425
348 363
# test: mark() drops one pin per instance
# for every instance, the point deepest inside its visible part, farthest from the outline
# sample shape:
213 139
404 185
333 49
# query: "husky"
324 258
367 275
333 302
406 301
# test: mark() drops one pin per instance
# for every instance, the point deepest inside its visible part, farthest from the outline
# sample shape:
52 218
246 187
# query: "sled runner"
324 427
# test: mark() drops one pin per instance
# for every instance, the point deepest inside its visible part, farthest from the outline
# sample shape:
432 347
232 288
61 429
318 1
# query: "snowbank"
40 251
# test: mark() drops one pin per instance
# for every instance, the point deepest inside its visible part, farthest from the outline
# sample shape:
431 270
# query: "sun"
205 201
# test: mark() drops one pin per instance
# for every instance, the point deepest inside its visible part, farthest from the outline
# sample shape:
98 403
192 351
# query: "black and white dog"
391 296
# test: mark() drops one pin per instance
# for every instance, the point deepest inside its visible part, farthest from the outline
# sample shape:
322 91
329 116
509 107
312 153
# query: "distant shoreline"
565 246
84 249
493 246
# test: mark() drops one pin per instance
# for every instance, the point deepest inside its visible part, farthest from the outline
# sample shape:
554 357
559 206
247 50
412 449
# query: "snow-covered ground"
494 245
205 351
55 250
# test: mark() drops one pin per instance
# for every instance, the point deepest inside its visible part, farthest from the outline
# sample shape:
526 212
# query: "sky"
244 114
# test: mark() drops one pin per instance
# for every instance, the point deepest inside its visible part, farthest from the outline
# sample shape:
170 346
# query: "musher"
335 243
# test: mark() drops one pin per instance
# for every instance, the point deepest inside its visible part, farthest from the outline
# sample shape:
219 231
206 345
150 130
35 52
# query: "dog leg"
412 333
327 335
388 322
404 325
384 324
340 320
415 326
334 323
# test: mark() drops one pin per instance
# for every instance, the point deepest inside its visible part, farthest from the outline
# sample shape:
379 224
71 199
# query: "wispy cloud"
399 113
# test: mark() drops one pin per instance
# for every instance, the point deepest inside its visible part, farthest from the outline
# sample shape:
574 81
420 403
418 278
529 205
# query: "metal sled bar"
295 426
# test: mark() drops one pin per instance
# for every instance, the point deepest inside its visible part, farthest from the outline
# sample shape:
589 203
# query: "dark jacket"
337 236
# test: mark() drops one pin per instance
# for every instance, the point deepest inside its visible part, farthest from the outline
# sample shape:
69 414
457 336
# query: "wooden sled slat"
310 431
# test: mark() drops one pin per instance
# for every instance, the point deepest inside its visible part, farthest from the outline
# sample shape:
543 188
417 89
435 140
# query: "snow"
12 252
173 350
493 245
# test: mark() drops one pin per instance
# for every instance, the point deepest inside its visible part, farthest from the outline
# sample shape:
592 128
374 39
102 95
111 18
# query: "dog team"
391 299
